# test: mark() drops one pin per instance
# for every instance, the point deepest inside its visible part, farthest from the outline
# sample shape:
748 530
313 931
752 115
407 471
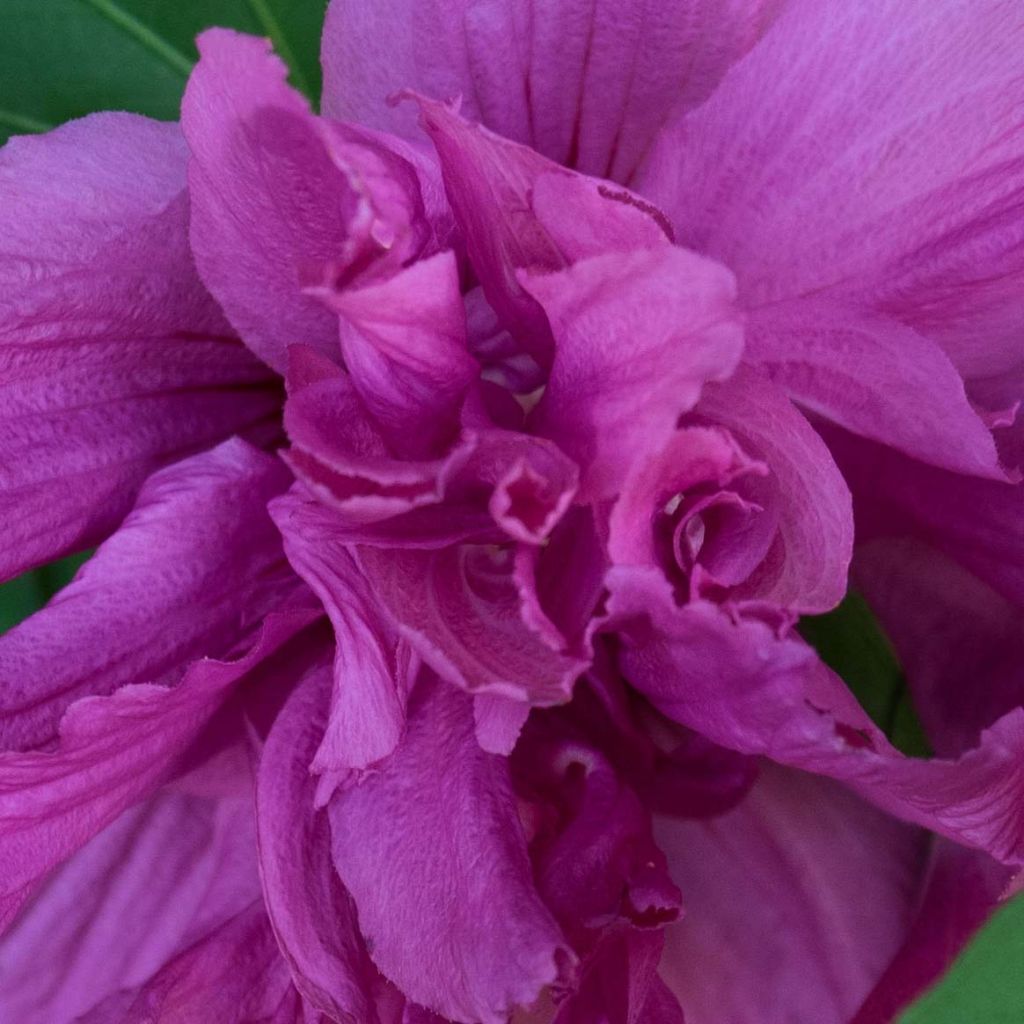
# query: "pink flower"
459 681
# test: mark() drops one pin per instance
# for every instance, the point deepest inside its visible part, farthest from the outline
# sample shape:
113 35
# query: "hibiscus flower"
462 461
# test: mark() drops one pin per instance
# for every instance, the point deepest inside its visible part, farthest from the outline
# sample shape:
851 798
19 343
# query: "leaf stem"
141 33
265 16
22 123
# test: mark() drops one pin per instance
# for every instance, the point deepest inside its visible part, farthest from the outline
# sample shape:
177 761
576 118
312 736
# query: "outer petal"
185 576
802 861
915 209
636 336
439 820
588 84
875 377
806 567
281 200
113 358
152 883
112 751
743 687
312 915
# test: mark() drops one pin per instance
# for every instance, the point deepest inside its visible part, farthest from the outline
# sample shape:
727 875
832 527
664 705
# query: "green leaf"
20 597
851 642
61 59
985 984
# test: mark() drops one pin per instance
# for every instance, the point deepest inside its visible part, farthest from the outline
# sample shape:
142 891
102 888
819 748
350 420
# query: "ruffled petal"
914 210
113 358
432 851
282 200
312 915
795 902
159 878
587 84
742 686
875 377
633 331
189 572
111 752
806 567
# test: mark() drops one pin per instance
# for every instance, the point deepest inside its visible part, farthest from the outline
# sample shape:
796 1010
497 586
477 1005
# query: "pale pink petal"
113 358
588 84
189 572
874 376
159 878
111 752
639 330
868 169
312 915
795 902
432 851
281 200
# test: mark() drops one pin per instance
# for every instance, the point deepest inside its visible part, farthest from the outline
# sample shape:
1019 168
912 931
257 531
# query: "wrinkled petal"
517 210
587 84
742 686
112 751
795 902
439 821
159 878
188 573
807 564
113 358
404 343
640 330
875 377
372 669
280 199
914 210
312 915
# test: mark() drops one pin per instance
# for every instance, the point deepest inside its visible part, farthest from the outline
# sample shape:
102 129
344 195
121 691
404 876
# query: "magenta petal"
780 178
280 199
313 917
188 573
807 565
638 330
404 343
795 902
587 84
160 877
743 687
234 976
372 667
112 751
440 820
114 360
875 377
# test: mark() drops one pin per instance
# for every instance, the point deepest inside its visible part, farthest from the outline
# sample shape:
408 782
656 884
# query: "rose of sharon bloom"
461 462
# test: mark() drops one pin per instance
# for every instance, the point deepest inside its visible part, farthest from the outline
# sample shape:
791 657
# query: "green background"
61 59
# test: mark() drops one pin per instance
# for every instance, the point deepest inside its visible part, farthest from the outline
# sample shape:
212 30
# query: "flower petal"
440 821
112 751
802 859
188 573
914 210
113 358
633 331
588 84
312 915
875 377
159 878
742 686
